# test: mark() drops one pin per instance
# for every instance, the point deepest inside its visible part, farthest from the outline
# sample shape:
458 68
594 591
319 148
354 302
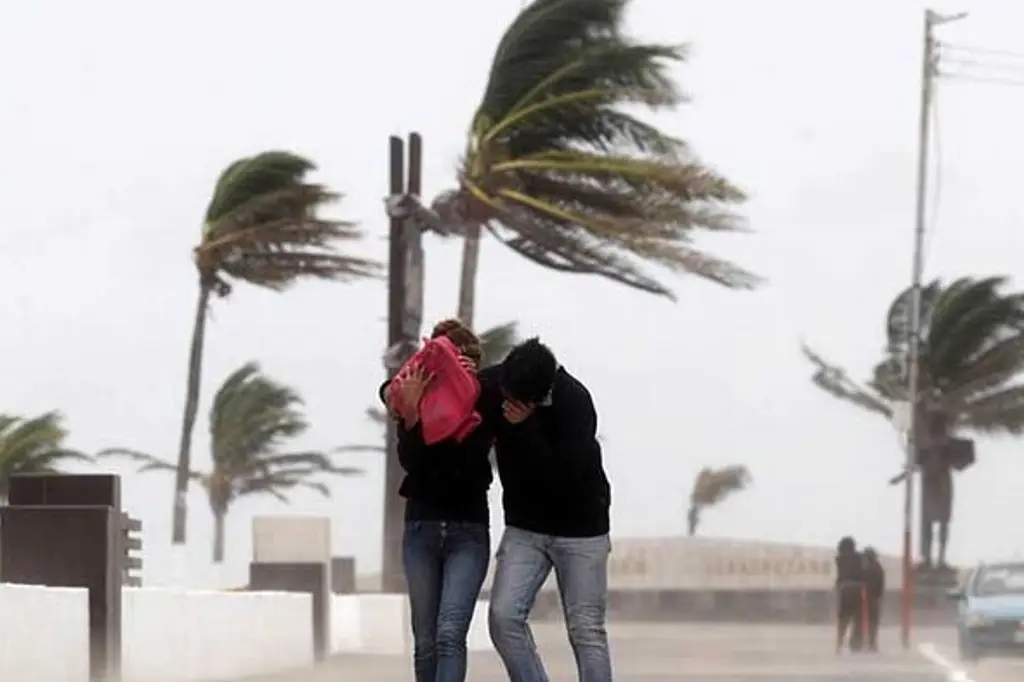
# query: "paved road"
712 653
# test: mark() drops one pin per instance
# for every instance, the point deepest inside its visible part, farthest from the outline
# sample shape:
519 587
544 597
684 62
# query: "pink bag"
447 408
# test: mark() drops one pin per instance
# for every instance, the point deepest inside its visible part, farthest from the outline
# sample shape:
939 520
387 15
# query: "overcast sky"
116 116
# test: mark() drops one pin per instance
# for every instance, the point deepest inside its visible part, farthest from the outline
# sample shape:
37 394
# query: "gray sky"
117 116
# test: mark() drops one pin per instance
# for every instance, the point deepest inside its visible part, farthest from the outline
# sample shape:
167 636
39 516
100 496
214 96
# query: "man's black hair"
528 372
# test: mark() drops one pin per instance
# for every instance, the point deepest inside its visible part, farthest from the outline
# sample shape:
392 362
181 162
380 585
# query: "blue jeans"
581 567
445 565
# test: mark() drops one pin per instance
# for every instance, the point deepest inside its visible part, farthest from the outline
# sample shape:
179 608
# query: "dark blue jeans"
525 560
445 565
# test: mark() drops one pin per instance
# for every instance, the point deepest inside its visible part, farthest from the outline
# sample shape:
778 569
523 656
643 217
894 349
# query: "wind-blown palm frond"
496 342
263 226
711 486
560 169
34 445
834 381
971 360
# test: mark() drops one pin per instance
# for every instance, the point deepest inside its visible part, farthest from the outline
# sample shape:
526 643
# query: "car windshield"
999 579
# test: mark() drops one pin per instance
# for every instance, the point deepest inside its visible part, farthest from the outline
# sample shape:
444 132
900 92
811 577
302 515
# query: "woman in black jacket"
849 594
446 544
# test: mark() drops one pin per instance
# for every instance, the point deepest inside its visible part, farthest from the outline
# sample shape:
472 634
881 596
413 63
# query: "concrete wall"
379 624
44 634
176 636
168 635
685 563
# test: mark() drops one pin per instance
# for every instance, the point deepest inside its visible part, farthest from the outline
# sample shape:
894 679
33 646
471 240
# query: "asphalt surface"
715 653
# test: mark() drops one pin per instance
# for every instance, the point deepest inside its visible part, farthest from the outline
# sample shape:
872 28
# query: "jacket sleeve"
412 449
411 446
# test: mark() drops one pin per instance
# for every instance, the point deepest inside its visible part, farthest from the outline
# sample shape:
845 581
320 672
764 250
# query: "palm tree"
971 365
559 169
262 227
33 445
971 362
252 421
710 487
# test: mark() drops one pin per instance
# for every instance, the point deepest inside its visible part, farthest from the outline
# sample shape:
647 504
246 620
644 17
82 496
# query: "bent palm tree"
559 169
710 487
33 445
971 366
262 227
252 420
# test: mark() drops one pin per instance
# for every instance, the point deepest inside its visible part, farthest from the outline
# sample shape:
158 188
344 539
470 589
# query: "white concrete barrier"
178 636
379 624
44 634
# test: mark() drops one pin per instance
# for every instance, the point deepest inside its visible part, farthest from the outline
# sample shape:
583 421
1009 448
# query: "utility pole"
929 70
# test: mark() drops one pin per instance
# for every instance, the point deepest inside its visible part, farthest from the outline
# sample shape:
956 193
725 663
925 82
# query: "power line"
991 80
1017 69
980 50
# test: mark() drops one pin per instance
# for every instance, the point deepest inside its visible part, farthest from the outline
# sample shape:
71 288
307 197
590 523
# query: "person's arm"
412 449
411 446
881 581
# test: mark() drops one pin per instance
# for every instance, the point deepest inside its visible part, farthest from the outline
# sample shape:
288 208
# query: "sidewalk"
669 653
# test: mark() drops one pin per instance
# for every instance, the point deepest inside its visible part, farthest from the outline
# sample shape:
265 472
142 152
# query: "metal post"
928 72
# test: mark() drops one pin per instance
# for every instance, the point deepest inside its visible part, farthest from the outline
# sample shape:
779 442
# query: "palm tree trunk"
467 281
692 520
188 422
218 536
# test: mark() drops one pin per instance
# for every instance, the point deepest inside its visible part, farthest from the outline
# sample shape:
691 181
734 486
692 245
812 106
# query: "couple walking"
860 586
541 422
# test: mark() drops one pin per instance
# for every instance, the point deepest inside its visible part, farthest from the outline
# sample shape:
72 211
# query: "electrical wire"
973 64
1014 69
991 80
955 47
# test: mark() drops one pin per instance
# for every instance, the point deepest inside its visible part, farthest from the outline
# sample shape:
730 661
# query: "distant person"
849 594
446 543
874 582
556 501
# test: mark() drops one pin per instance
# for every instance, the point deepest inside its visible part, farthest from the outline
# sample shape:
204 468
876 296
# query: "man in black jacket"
556 501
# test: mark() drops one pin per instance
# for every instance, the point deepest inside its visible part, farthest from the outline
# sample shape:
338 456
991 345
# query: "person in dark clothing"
446 543
556 502
849 594
874 581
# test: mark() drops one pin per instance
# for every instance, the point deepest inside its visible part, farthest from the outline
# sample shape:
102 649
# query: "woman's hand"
467 364
411 387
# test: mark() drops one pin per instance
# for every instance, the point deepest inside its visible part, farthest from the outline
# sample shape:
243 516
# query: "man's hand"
515 411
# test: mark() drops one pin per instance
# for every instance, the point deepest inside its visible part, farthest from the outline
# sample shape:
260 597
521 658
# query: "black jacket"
849 570
874 578
551 469
447 481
